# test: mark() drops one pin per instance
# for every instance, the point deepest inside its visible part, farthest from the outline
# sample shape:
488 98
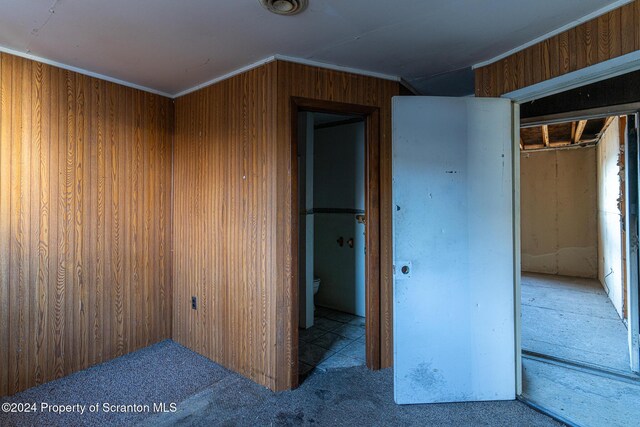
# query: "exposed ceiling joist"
579 130
545 135
565 134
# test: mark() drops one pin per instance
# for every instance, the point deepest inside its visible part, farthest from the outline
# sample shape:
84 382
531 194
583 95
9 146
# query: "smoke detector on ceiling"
285 7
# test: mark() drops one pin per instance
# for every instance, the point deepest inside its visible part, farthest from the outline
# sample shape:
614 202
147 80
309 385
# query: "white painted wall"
339 184
610 264
558 196
306 220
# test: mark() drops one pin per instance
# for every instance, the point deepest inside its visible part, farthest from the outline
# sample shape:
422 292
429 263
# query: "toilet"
316 286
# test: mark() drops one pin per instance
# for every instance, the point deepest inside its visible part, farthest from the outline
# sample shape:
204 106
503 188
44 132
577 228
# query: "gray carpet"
207 394
164 372
340 397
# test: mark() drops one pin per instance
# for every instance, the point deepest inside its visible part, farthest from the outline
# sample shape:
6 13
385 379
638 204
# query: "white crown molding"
81 71
208 82
335 67
293 59
225 76
589 17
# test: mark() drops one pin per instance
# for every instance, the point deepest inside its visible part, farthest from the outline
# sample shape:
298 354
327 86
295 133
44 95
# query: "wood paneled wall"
232 214
227 213
611 35
85 192
86 230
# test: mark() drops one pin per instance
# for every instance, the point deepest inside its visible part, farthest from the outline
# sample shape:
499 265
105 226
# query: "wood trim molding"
370 115
361 94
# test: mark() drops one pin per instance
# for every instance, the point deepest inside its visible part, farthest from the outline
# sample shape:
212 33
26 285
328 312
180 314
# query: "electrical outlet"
194 303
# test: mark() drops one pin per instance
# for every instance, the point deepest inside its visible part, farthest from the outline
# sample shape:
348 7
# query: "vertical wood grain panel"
130 221
5 218
636 23
66 141
611 35
225 214
102 317
24 238
552 52
563 54
53 335
603 38
614 21
65 288
40 213
80 287
16 291
627 21
163 232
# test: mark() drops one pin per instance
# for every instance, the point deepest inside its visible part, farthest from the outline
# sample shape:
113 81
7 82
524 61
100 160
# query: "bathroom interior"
331 176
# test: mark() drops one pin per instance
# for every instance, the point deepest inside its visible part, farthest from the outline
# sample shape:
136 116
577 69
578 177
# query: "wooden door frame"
371 117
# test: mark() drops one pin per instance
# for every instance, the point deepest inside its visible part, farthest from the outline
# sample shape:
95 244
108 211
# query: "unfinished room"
572 203
319 212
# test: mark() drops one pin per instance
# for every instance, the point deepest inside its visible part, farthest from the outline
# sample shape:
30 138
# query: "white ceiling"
173 45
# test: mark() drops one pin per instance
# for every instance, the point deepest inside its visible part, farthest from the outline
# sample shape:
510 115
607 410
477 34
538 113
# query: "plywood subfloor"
582 398
572 318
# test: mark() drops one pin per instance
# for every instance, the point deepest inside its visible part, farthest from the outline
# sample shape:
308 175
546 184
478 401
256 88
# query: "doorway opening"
336 236
573 242
579 300
331 169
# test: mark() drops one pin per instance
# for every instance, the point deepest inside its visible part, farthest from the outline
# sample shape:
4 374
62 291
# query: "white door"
453 314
